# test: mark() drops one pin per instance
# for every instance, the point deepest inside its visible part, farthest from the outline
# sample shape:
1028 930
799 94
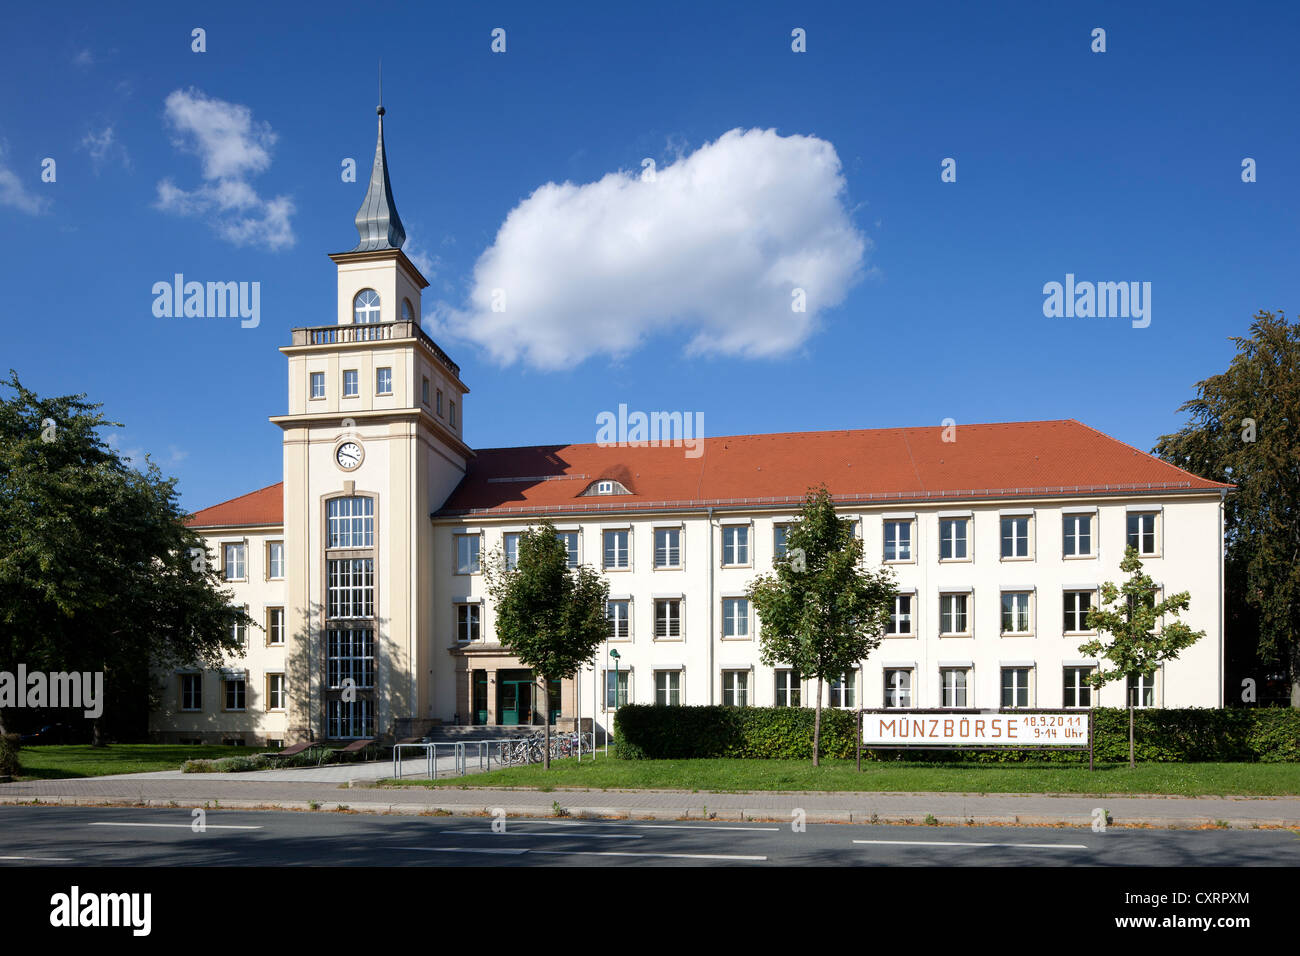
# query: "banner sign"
1016 729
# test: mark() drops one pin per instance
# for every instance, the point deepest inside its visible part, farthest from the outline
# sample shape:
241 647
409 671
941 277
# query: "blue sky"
1115 166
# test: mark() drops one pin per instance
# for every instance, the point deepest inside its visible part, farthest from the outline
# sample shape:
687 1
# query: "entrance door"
480 697
515 703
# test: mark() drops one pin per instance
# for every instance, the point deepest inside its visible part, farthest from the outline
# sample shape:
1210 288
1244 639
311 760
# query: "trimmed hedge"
645 732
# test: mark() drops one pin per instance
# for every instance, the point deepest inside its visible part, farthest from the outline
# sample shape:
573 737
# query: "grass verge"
58 762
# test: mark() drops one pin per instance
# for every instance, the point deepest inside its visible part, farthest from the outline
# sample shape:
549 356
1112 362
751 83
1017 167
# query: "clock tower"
372 446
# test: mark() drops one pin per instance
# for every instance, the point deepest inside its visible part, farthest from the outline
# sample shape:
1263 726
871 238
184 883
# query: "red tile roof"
1009 460
264 506
1014 459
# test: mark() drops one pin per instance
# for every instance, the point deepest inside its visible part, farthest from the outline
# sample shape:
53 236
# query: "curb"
676 814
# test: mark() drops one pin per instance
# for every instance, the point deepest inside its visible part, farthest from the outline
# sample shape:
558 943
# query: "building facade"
364 566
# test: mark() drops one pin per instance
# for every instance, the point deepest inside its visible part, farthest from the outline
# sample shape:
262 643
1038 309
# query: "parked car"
49 734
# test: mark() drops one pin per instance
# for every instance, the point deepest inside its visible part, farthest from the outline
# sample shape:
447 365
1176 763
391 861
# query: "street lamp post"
614 654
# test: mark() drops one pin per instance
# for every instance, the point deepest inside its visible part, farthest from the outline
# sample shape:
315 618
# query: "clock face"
348 455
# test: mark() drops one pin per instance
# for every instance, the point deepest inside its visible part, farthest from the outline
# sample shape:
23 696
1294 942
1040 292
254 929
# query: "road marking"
182 826
655 826
593 836
672 856
515 851
43 859
1032 846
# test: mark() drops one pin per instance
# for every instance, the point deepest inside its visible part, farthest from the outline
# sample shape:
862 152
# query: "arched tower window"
365 307
408 314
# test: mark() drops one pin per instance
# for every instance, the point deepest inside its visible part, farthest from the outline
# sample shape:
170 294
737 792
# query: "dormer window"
365 307
605 486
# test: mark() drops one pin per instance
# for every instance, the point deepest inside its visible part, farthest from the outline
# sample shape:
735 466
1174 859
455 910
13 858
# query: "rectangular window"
239 632
1015 612
778 541
351 719
1015 536
668 618
953 682
668 688
954 613
735 617
511 548
234 562
735 545
424 390
1141 691
1015 686
350 654
1078 535
235 690
844 691
351 384
467 553
570 539
350 523
616 687
898 687
275 560
898 540
618 554
275 696
467 623
1077 604
1078 692
383 381
451 414
620 619
191 692
317 384
439 402
952 539
1142 532
735 688
787 688
350 588
275 626
668 547
900 620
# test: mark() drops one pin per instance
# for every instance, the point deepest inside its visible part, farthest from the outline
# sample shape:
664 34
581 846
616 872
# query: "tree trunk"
96 735
546 709
1132 764
817 727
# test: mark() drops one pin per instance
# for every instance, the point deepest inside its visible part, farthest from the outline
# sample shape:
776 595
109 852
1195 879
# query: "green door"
510 703
480 697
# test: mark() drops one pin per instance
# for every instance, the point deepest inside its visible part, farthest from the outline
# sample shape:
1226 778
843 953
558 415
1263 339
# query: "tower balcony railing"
371 332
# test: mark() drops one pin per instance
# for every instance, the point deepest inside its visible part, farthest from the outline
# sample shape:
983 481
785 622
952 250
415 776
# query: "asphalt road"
92 836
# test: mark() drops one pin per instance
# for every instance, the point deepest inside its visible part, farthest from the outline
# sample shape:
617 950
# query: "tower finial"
377 221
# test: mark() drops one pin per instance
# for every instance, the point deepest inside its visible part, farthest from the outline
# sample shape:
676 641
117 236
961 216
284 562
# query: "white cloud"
714 248
103 146
231 147
84 58
14 191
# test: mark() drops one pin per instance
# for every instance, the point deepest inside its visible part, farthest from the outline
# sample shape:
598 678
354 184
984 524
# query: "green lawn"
76 760
1192 779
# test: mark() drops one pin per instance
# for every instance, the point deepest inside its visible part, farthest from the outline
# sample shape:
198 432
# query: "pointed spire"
377 221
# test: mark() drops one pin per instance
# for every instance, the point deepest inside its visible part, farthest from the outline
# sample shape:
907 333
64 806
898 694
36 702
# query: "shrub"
9 748
1188 734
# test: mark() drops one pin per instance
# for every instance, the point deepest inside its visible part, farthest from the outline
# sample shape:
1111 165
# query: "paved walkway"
301 789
